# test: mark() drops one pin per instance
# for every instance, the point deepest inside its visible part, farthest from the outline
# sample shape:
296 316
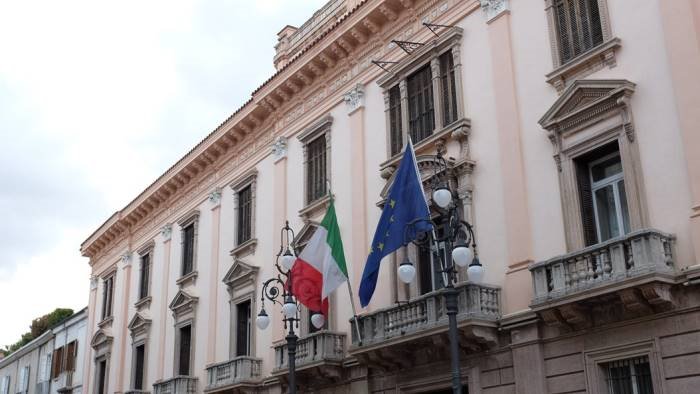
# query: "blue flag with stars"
404 204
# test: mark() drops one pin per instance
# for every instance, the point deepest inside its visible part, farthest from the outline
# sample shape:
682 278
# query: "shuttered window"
188 249
449 88
107 297
71 354
316 169
395 133
57 362
578 27
245 211
144 278
421 118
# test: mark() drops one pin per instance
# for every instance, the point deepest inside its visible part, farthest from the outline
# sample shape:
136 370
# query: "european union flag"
405 203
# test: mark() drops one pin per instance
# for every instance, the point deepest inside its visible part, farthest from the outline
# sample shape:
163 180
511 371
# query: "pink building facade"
570 128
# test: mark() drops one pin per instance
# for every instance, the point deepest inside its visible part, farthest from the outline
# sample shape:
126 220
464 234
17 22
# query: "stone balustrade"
176 385
241 369
319 347
479 302
633 255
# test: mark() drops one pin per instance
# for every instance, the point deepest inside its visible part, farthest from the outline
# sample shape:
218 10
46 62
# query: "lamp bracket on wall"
382 63
408 46
434 27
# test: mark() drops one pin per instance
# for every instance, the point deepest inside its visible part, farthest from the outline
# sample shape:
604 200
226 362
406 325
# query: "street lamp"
457 236
279 289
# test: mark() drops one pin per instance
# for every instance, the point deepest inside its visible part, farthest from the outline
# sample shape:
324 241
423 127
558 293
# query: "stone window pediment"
303 237
101 340
139 325
240 275
182 303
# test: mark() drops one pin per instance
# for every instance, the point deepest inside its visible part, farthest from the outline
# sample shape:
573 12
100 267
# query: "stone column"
215 201
680 20
437 96
166 234
518 228
122 372
355 105
279 216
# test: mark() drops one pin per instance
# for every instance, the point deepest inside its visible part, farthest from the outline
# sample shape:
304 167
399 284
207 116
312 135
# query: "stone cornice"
315 77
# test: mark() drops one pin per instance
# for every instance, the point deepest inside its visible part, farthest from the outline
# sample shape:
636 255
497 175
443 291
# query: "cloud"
97 99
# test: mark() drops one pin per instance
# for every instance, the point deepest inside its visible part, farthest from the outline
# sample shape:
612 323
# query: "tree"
39 326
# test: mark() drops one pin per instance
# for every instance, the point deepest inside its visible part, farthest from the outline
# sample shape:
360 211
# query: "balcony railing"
176 385
633 255
319 347
64 382
43 387
476 302
241 369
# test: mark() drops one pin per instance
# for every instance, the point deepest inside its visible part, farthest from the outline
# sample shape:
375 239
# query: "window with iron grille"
316 169
395 134
145 274
631 376
107 297
245 214
421 118
188 249
578 27
449 88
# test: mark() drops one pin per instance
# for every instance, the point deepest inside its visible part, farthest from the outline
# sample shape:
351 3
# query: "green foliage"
39 326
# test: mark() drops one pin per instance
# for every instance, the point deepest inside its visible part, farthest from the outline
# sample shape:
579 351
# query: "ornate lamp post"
279 289
457 235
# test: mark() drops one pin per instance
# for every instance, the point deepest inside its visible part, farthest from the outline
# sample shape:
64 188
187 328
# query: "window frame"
319 129
178 347
427 55
248 180
595 361
613 181
240 283
108 282
134 364
146 250
190 219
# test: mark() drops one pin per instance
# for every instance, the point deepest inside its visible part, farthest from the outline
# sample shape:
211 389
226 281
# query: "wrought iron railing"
428 311
176 385
317 347
237 370
632 255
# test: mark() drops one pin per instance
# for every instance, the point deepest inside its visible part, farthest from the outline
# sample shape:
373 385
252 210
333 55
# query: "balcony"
318 355
43 387
238 372
416 331
176 385
628 275
64 382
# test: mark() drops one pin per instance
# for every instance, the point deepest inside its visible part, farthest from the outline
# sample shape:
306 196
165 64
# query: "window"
316 169
312 328
5 385
449 88
421 118
145 274
185 342
71 355
187 249
631 376
430 268
395 134
23 382
243 327
107 297
245 214
601 185
139 357
57 363
102 377
578 26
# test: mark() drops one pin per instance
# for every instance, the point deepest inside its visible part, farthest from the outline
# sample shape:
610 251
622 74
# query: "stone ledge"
584 64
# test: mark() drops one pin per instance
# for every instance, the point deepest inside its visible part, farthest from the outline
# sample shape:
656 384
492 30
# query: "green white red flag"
320 268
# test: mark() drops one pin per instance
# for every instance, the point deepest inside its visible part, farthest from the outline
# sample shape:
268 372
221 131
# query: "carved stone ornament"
279 148
139 325
93 282
166 232
355 98
182 303
493 8
215 197
126 258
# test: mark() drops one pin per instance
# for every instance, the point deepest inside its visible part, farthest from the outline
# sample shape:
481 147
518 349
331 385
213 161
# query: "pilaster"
279 216
215 203
165 235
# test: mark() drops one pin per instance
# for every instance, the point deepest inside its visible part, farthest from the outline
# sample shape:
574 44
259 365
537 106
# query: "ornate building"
570 133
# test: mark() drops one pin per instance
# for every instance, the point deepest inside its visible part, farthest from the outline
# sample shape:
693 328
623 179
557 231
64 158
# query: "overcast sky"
97 99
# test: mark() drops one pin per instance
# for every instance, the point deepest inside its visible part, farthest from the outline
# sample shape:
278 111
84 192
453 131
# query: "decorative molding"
215 197
182 303
101 340
93 282
494 8
355 98
187 279
279 148
244 249
143 303
585 64
166 232
139 326
126 258
240 275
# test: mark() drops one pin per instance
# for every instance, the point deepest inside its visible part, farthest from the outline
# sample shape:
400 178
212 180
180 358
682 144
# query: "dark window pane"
243 329
448 85
578 27
101 377
421 121
629 376
185 344
395 131
245 211
316 169
138 367
188 249
145 275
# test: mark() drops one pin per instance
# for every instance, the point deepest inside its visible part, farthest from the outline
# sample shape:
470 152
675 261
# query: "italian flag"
320 268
